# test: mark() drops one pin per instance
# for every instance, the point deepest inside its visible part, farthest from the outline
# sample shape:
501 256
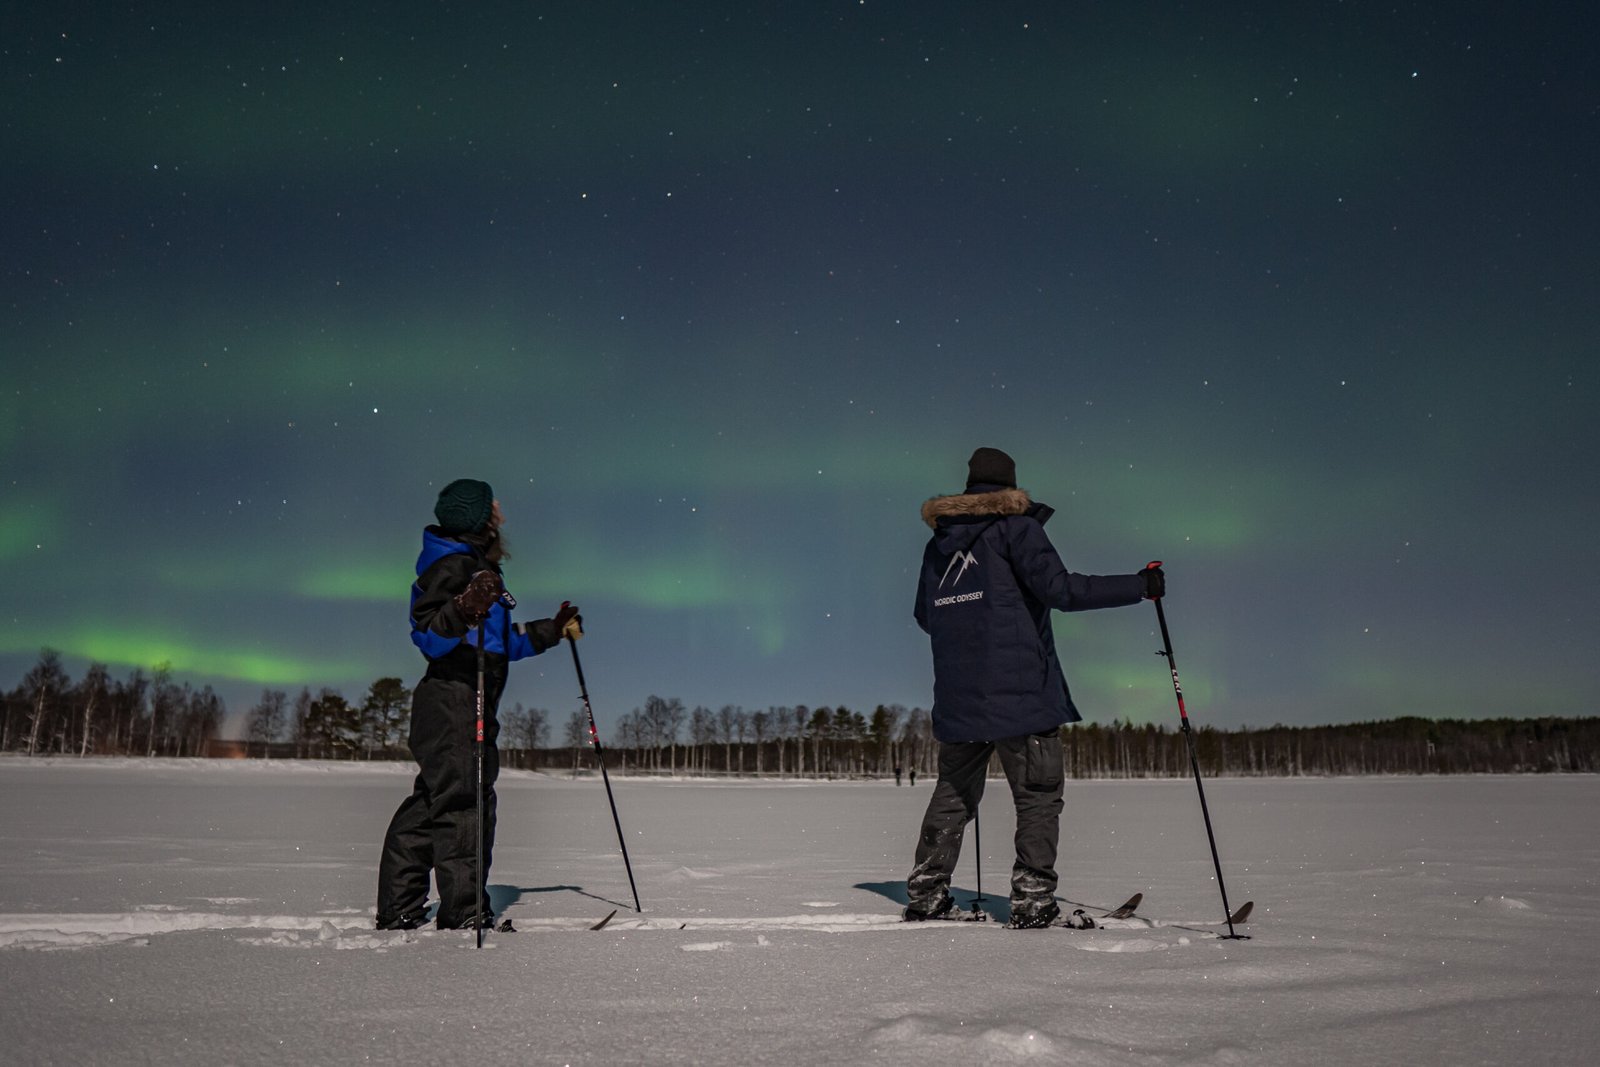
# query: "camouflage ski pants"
1033 767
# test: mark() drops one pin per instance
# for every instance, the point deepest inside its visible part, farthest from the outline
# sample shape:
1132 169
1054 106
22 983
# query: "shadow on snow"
502 897
997 908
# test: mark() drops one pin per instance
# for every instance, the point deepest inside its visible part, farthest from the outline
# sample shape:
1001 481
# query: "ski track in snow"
39 930
35 930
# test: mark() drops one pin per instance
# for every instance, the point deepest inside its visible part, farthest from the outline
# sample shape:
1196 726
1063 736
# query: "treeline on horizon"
48 713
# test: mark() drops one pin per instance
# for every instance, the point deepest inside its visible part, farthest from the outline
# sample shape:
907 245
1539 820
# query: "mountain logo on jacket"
966 559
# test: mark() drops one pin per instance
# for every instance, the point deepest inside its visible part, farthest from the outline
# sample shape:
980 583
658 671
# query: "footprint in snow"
1139 945
1504 904
717 946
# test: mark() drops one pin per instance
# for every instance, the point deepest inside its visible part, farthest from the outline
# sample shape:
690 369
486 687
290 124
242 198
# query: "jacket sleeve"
920 610
532 638
433 609
1040 570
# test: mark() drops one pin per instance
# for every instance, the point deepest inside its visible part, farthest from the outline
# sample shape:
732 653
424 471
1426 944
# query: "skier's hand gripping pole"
1155 580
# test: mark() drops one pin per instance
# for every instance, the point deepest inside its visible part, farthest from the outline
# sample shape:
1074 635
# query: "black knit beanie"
465 506
990 466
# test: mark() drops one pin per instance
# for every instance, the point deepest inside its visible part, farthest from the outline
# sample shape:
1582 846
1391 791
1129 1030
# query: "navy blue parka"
989 580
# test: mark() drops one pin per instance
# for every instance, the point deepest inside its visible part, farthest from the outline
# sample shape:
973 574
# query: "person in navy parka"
990 578
458 594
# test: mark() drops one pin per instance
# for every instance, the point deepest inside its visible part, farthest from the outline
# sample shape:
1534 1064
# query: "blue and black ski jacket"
439 630
990 578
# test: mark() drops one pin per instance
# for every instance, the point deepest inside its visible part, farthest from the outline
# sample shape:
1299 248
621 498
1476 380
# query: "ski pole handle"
1155 581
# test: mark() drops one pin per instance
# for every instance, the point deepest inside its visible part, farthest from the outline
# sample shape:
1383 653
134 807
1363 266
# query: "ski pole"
600 756
477 755
1194 760
977 856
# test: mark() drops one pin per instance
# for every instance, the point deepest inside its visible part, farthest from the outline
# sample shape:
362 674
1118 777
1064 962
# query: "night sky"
1301 301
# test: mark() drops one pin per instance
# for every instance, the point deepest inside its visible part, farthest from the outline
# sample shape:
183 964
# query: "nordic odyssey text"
945 601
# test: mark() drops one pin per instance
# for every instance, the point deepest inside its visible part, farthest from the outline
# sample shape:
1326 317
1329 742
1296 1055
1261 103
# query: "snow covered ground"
216 912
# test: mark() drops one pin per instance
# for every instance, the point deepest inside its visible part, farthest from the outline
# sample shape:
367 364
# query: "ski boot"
1035 918
942 909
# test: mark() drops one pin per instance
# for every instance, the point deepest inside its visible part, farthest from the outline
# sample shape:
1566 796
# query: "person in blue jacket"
458 598
990 578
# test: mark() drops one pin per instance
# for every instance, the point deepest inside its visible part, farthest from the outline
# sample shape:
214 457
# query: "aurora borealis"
715 295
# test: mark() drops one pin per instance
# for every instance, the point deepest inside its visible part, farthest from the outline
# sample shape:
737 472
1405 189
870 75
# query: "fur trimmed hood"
971 505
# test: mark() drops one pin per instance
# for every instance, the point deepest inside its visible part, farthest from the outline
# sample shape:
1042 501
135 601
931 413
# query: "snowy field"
215 912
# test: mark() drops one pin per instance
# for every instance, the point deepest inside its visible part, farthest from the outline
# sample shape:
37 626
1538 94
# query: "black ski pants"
1033 767
433 829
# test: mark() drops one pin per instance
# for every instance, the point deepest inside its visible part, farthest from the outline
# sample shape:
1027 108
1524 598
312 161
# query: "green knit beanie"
465 506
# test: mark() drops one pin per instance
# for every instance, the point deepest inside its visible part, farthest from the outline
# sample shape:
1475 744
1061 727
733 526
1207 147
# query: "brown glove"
479 596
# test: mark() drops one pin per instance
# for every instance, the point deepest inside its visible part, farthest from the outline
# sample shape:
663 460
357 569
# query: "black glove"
1155 581
479 596
547 633
569 623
